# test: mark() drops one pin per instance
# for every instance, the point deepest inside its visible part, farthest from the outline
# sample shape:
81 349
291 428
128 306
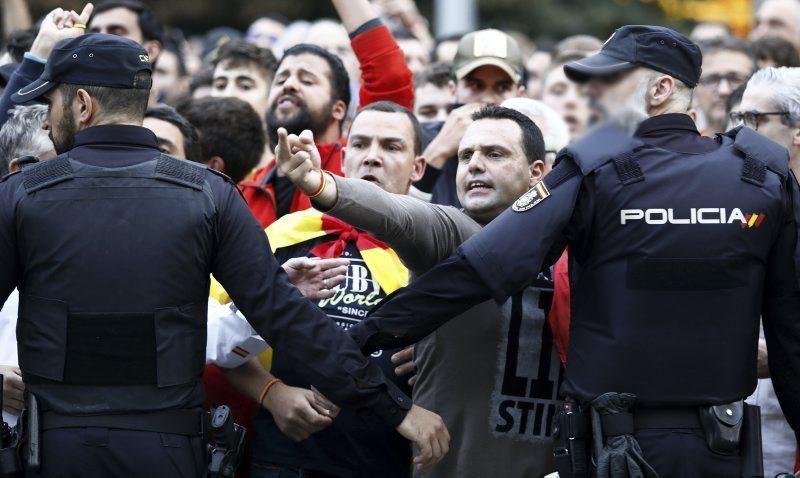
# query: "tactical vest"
667 289
115 266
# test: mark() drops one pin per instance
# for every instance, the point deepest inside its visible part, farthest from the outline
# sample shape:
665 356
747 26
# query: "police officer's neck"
667 108
113 121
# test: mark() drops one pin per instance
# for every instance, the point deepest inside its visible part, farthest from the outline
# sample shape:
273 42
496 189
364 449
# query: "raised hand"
298 160
59 25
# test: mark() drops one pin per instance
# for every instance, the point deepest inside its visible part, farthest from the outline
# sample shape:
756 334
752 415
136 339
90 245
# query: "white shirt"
8 340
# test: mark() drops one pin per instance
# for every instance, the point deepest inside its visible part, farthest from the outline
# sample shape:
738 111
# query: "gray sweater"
480 370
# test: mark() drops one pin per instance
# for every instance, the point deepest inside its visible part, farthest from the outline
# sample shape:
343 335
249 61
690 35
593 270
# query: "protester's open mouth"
478 186
287 101
371 178
571 120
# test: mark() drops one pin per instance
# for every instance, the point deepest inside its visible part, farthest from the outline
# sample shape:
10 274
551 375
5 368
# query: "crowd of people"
369 151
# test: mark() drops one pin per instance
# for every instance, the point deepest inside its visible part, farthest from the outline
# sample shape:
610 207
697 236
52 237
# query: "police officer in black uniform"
678 244
111 245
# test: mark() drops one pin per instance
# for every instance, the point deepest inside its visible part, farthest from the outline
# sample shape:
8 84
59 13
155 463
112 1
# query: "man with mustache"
311 90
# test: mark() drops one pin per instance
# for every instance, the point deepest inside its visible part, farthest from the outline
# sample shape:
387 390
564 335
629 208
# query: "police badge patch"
537 194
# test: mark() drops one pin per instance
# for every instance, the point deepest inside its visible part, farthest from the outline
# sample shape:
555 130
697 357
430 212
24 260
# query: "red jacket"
384 76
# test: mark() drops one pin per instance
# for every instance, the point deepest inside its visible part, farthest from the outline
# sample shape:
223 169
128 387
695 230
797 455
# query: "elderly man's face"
775 127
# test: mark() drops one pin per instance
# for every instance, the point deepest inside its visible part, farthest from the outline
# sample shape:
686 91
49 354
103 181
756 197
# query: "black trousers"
103 452
684 454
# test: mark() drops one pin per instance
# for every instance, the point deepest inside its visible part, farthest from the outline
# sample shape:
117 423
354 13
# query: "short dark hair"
191 140
717 44
20 41
392 107
229 128
532 140
438 74
148 22
238 53
125 102
778 50
340 81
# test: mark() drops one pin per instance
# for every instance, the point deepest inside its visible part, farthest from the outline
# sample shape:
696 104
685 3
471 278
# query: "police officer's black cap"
95 59
632 46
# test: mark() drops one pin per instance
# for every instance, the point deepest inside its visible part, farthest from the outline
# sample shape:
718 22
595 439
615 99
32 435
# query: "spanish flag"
303 226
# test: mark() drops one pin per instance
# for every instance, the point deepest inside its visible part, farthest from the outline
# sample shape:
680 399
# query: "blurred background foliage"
539 19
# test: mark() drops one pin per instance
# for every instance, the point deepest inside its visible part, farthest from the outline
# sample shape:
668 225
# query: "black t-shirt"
284 190
358 444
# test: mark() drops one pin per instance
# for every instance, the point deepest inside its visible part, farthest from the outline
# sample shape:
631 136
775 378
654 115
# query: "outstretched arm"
421 233
504 257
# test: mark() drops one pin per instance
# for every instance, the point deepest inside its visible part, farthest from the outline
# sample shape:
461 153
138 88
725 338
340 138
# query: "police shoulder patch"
534 196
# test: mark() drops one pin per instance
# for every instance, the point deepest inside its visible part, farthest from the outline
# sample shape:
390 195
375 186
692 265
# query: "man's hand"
445 145
60 25
404 362
316 278
323 405
298 160
427 431
294 411
13 388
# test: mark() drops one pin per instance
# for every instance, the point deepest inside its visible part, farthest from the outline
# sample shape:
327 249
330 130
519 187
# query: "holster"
570 436
732 429
722 426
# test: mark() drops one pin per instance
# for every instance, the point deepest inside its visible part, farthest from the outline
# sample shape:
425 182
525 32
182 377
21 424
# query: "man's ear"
216 163
796 136
451 85
87 108
419 169
662 89
153 48
521 89
537 171
339 110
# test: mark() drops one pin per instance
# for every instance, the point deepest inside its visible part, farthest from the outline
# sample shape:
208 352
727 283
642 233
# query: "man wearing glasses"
771 106
727 64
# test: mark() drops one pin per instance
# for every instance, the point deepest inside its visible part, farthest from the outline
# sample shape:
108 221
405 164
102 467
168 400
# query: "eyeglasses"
753 118
734 80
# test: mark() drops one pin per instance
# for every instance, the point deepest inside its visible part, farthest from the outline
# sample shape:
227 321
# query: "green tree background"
538 19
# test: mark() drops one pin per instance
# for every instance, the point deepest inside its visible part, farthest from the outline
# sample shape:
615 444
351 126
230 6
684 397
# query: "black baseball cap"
632 46
94 59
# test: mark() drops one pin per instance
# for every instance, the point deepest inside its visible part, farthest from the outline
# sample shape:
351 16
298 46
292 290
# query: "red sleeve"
384 73
559 317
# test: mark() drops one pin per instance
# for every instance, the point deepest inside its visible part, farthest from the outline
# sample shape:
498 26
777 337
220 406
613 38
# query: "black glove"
620 456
